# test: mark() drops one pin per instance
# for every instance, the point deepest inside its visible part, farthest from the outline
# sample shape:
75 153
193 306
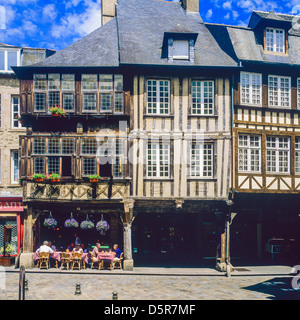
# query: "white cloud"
49 12
209 14
227 5
79 24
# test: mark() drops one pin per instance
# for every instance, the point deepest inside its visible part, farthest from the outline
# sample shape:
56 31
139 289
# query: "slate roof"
241 42
136 36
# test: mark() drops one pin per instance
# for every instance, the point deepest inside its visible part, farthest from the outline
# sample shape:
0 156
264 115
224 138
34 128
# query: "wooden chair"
117 263
95 261
65 260
44 260
76 260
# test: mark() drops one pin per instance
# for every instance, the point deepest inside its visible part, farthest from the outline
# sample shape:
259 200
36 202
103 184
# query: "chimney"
191 6
108 10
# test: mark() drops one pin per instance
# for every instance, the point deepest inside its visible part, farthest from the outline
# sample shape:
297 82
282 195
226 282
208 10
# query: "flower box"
55 180
39 179
94 180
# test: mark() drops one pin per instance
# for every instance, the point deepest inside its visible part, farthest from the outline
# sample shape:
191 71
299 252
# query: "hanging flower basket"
87 224
102 226
71 223
50 222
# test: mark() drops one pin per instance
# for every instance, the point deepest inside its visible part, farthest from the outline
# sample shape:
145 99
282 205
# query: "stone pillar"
26 258
127 219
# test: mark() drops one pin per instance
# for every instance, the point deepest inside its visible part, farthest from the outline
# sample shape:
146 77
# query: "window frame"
279 91
157 92
248 148
201 160
202 98
277 149
13 113
298 93
251 75
6 50
12 168
157 161
275 44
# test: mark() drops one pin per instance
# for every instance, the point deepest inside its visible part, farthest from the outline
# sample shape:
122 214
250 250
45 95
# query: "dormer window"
180 49
275 40
179 46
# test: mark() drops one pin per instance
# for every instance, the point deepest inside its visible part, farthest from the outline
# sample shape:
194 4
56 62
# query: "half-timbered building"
266 134
147 98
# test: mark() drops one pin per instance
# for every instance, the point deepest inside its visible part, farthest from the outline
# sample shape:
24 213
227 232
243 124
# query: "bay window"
279 91
249 153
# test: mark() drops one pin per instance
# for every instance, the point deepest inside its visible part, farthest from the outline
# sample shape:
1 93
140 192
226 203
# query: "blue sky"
55 24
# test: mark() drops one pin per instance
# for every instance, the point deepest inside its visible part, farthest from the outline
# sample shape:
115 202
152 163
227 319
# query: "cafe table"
57 256
106 257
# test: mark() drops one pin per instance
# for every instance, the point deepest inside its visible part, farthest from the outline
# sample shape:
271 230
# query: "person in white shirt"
45 248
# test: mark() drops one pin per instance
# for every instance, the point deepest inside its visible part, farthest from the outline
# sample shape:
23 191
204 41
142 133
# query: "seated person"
78 249
45 248
52 246
116 252
70 247
96 250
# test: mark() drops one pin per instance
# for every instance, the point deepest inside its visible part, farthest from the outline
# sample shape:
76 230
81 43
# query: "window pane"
105 102
39 165
68 82
39 146
68 101
39 101
89 166
180 49
68 146
53 146
54 81
53 165
12 59
15 166
105 82
15 112
53 99
119 102
118 82
89 146
39 82
89 82
89 102
203 97
2 63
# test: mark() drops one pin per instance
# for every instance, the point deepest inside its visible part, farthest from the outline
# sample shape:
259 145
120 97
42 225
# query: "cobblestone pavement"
59 286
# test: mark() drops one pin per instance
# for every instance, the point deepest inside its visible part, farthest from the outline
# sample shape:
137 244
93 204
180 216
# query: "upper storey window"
181 49
275 40
279 91
8 59
251 88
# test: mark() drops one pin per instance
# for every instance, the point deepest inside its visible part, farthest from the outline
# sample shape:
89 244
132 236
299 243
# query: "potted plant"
102 226
19 118
38 177
87 224
71 223
9 249
95 178
54 177
57 111
50 222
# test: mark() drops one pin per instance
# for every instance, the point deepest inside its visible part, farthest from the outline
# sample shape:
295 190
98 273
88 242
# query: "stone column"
26 258
127 219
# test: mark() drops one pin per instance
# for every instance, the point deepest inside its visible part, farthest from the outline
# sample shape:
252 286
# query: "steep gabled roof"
99 48
136 37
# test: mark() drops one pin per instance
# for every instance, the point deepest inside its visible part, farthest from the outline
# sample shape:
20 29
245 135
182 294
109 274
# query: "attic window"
275 39
181 49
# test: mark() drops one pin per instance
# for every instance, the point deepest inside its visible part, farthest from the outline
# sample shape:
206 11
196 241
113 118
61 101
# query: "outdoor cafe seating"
76 260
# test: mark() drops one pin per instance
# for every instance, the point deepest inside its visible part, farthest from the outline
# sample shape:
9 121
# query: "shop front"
181 238
11 228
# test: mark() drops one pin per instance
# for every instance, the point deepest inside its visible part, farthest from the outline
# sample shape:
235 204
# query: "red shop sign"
11 206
